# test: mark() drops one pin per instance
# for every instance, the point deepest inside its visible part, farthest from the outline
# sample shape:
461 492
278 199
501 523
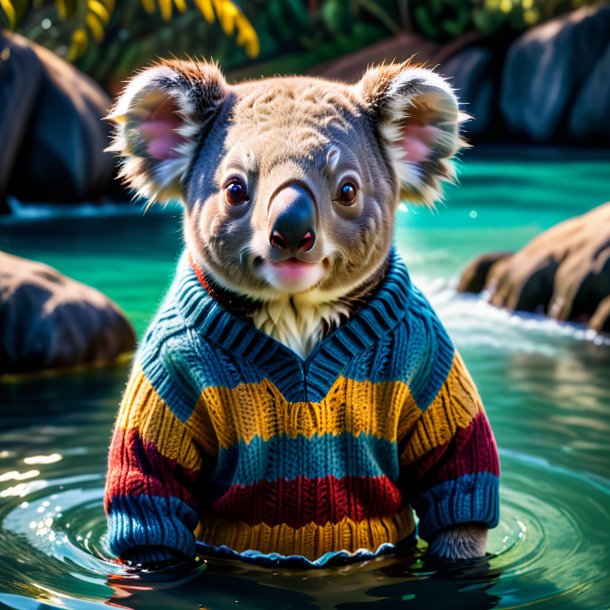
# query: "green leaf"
165 6
100 10
96 27
9 10
79 44
424 23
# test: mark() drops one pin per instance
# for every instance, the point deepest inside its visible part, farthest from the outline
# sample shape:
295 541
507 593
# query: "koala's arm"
152 469
464 541
450 467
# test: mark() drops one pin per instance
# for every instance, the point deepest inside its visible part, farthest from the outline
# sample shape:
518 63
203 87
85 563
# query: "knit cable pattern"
229 442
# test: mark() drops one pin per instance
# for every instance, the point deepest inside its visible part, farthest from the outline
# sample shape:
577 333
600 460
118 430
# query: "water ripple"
546 549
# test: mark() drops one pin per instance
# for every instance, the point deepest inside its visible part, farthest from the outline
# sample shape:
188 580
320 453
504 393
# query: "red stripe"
201 277
137 468
300 501
471 450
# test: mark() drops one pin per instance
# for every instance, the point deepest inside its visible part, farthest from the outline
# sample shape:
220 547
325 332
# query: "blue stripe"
418 352
179 365
436 353
151 521
282 457
193 343
470 498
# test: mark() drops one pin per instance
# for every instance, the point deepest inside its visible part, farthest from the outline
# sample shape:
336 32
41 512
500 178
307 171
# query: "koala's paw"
465 541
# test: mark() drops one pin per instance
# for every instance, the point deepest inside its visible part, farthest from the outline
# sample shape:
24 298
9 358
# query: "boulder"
472 68
49 321
474 277
600 321
51 130
590 117
547 67
472 74
564 272
401 47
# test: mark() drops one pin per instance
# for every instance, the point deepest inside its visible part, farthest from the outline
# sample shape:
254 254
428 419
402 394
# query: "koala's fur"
184 132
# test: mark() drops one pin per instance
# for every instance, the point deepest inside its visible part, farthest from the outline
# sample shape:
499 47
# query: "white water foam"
27 212
475 322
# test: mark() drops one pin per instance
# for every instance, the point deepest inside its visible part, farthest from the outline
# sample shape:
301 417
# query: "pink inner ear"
159 132
417 141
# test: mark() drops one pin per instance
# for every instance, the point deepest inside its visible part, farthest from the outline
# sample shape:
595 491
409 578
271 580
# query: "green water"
546 388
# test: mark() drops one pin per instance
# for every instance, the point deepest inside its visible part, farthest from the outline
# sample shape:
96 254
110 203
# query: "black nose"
292 220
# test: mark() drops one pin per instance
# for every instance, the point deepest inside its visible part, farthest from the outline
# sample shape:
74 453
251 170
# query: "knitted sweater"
228 438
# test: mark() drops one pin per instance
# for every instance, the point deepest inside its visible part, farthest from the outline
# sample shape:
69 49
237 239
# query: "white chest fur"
298 323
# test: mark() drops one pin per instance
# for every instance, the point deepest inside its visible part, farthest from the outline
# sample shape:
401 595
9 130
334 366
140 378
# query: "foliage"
109 39
91 18
447 19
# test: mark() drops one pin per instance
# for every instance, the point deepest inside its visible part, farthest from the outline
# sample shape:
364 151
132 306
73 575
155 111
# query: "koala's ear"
418 121
160 117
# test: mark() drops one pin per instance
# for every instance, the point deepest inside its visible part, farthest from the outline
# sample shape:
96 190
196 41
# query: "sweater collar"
230 301
244 307
298 379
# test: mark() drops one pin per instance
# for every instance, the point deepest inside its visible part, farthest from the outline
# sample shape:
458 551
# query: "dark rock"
590 118
546 68
471 67
563 273
474 277
49 321
51 130
471 73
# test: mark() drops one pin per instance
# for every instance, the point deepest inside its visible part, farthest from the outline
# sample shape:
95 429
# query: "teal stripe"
283 457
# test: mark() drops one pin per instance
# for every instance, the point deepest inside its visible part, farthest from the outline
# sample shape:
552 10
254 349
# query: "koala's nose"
292 220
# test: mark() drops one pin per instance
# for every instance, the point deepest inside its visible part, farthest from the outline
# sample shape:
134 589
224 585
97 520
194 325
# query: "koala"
295 398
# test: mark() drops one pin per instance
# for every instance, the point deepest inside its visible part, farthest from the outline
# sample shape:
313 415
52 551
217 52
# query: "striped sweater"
228 442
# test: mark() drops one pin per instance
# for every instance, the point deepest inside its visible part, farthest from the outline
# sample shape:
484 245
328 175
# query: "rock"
471 73
471 67
49 321
591 110
546 68
563 273
474 277
600 321
50 127
351 67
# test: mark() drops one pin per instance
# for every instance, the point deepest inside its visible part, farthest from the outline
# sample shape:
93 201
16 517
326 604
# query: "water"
545 386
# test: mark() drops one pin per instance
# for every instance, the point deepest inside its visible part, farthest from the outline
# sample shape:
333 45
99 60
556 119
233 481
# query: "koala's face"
300 196
290 185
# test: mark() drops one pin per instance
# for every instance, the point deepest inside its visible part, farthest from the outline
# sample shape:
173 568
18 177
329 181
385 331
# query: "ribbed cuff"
154 525
471 498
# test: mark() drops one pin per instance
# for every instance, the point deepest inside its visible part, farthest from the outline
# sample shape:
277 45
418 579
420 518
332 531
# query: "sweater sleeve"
449 460
154 463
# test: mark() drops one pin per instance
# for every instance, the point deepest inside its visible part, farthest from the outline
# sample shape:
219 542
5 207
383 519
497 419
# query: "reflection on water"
545 387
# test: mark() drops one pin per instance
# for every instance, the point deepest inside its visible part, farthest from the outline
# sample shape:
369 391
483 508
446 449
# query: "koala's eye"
236 192
347 193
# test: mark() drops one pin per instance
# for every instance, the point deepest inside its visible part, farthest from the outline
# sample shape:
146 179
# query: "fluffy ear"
160 117
418 121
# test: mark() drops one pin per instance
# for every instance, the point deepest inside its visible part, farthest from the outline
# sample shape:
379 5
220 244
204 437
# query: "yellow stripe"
455 406
310 541
380 409
144 410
